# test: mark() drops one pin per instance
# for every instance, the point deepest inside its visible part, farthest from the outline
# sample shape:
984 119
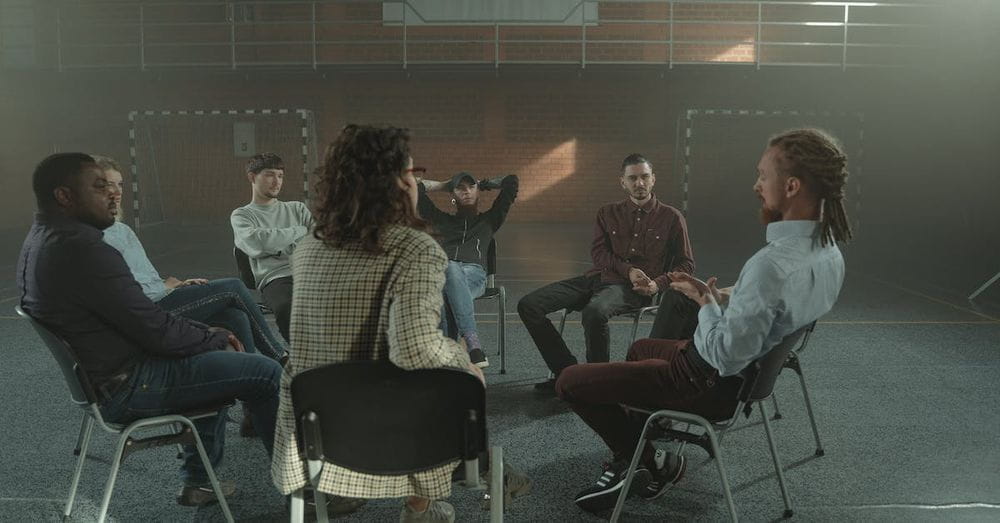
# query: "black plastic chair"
758 385
497 292
425 419
246 274
83 395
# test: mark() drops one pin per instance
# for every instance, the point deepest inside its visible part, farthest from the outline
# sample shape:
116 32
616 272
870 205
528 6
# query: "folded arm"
263 241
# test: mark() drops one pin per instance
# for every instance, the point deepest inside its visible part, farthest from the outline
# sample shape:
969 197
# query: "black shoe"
669 470
478 358
604 494
547 387
246 426
335 505
191 496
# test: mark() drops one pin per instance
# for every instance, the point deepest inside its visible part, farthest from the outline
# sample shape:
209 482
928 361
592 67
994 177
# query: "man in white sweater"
267 230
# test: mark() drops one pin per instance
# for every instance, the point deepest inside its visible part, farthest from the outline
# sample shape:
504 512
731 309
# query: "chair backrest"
760 376
491 264
243 266
491 258
80 389
375 418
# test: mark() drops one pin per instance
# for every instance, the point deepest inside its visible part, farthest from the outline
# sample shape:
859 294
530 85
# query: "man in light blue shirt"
224 302
792 281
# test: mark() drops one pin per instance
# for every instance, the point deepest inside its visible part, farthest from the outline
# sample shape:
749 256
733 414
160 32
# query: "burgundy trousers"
657 374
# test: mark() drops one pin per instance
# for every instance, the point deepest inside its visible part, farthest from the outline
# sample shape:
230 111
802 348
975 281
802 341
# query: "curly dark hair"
815 157
357 193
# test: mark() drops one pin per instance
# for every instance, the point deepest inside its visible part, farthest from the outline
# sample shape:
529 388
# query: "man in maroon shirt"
636 242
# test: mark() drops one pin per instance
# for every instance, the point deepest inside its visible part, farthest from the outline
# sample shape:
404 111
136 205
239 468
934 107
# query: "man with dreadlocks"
789 283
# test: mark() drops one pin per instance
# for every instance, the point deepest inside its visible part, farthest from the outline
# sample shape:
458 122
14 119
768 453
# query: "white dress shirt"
785 286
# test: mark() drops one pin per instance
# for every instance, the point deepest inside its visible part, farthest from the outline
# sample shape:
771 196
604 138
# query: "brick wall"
565 137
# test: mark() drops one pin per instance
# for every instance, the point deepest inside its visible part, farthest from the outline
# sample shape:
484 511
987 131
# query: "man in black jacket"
141 360
465 237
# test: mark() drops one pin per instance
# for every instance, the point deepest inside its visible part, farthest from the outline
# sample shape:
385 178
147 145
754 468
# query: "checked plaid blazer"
348 304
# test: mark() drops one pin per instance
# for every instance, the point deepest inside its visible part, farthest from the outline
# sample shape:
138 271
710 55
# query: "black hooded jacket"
467 239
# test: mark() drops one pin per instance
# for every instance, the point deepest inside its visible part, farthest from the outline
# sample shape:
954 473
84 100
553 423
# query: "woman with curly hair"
367 287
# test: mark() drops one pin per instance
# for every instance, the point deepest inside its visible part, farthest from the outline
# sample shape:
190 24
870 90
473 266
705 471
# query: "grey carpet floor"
904 384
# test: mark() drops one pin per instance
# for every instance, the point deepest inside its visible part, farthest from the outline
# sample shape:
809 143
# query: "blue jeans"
226 303
161 386
463 283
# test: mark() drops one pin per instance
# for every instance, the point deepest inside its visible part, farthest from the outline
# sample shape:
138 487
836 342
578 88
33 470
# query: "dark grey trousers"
596 301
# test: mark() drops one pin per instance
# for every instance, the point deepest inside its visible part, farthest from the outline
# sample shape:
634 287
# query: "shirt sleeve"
426 207
415 341
262 241
680 256
307 218
501 205
601 251
102 283
731 340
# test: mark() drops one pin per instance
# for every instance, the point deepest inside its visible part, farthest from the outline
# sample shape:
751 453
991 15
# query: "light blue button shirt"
124 240
785 286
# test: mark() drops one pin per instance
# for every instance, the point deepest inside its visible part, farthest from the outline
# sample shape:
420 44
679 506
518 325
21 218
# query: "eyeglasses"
414 170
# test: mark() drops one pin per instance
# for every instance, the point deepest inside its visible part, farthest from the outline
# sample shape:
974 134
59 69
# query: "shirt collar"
646 208
791 229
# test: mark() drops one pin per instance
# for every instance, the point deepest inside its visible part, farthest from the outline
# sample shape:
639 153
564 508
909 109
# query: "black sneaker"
669 470
604 494
478 358
547 387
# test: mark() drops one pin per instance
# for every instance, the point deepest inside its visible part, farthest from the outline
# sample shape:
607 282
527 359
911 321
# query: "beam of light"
552 168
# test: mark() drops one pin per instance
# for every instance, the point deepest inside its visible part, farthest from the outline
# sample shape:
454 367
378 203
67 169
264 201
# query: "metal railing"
321 34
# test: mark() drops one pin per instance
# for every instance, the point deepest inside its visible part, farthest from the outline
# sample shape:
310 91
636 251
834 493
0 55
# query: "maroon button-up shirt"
653 238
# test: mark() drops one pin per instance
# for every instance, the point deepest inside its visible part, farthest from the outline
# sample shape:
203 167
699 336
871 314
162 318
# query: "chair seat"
193 414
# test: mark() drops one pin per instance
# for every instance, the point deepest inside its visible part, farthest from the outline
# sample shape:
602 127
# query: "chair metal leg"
298 508
176 429
635 331
774 399
116 462
86 431
496 484
717 451
777 461
809 410
210 471
79 439
502 330
320 499
630 472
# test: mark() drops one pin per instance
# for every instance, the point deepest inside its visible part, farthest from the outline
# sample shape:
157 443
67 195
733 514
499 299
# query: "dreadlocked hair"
816 158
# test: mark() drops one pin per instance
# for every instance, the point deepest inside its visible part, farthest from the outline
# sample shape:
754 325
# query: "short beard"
769 216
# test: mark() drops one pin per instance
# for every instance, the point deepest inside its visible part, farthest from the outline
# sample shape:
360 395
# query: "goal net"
188 167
